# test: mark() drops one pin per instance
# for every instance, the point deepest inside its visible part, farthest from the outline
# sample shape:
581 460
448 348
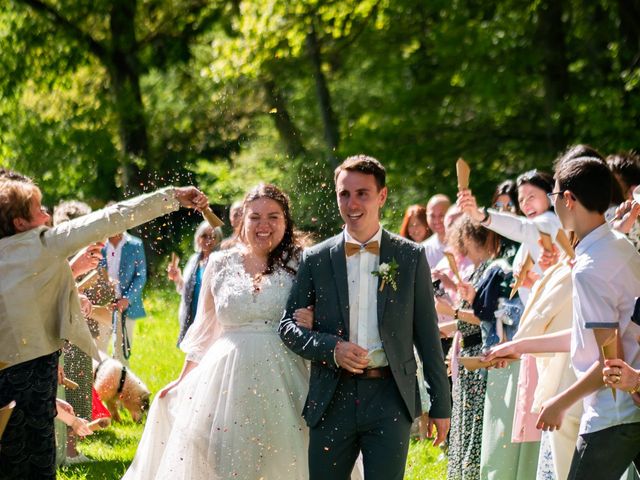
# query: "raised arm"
69 237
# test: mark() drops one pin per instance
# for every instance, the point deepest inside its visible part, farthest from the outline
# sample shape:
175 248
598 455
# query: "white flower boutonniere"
387 272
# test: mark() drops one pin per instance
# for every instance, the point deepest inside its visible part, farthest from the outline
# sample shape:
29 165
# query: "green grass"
156 360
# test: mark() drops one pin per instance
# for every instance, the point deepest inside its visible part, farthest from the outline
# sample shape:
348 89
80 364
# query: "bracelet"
486 215
636 389
455 314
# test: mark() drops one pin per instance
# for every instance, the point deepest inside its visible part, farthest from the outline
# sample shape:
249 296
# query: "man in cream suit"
373 302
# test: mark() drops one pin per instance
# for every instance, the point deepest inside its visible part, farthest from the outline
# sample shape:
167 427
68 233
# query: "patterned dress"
465 437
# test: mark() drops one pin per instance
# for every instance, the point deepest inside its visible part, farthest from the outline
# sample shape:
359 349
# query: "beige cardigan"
549 309
39 305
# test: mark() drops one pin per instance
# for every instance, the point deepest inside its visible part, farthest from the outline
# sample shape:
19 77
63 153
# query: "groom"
373 302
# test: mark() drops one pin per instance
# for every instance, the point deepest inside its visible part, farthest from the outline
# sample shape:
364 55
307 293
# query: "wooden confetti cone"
88 281
212 218
453 265
99 424
547 243
526 266
463 172
5 413
610 351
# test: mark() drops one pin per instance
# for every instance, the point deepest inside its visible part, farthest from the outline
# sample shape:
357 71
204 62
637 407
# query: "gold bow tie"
353 248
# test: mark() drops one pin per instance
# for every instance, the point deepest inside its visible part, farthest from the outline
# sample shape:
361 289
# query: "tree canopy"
108 97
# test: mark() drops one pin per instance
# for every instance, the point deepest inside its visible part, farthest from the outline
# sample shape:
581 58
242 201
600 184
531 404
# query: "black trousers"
606 454
368 416
27 447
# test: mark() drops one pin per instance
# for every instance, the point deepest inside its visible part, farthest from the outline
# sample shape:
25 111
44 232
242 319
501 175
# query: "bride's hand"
304 317
167 388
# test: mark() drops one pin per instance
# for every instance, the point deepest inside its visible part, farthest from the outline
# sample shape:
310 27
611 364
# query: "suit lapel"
386 255
339 264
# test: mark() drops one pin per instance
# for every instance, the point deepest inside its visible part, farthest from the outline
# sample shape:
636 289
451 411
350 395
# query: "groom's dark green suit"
406 317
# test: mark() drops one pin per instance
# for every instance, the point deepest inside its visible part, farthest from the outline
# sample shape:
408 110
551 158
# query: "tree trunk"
329 122
555 69
124 73
289 133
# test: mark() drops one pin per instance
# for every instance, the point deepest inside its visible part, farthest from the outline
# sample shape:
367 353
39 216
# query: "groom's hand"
352 357
442 428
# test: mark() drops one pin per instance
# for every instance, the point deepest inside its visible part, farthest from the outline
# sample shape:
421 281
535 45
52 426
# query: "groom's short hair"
363 164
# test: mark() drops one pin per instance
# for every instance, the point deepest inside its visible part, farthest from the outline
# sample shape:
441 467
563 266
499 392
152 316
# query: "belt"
471 340
369 373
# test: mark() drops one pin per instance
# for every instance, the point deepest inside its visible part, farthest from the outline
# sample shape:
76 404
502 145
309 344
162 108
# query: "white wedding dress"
237 415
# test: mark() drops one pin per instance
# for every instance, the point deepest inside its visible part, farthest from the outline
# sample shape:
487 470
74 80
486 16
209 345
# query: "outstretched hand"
191 197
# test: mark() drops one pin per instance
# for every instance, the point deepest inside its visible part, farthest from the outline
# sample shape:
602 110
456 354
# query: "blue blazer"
132 275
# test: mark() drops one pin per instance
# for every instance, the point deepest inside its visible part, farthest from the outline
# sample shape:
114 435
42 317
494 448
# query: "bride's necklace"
254 270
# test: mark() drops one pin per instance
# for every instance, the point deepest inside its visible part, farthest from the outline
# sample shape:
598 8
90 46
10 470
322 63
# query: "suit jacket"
132 275
406 317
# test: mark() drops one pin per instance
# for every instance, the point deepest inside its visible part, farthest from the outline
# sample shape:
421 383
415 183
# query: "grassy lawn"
156 360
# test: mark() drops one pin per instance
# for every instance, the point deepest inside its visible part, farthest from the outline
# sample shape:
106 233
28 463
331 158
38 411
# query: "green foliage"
507 85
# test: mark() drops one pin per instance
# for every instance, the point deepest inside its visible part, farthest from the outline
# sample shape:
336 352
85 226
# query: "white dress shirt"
363 301
113 255
434 249
606 285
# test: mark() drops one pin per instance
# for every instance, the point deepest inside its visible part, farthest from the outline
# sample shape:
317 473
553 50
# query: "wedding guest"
434 246
533 187
77 364
549 310
414 224
44 309
235 220
606 285
505 198
626 170
205 241
234 411
126 264
478 326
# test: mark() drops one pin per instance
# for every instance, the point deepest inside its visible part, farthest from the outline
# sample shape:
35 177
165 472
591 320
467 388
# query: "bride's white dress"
237 414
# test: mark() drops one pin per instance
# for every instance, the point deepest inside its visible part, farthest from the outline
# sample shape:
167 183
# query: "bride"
234 411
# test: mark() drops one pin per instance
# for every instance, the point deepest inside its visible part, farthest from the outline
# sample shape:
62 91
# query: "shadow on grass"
98 470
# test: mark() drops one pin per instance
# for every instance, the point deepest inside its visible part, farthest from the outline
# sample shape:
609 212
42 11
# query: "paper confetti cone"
565 244
610 351
212 218
463 172
5 413
547 243
452 265
526 266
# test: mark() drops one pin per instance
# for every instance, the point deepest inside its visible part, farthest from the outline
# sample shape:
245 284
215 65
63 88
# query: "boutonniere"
387 272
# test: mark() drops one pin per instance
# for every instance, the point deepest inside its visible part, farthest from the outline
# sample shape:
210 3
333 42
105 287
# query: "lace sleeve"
205 328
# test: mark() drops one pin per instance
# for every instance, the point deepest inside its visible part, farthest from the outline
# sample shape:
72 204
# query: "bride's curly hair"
286 255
